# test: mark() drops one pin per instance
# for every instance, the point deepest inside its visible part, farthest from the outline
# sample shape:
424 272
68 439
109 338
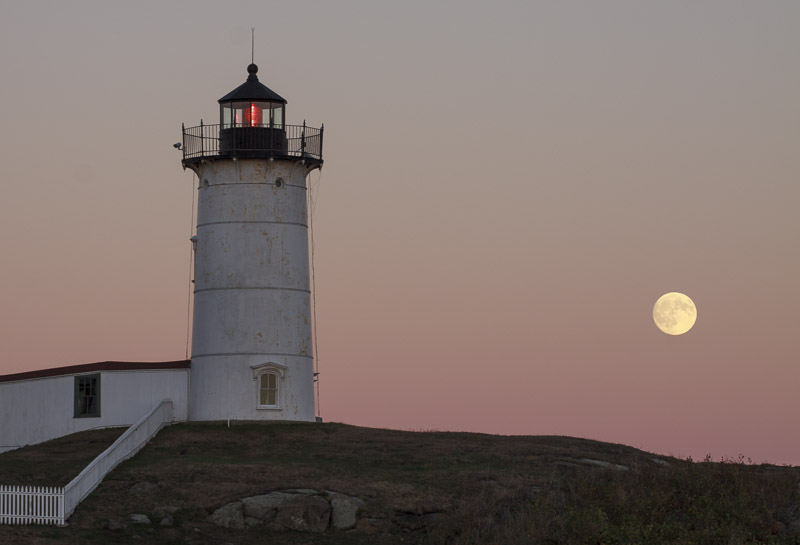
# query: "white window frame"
78 412
280 373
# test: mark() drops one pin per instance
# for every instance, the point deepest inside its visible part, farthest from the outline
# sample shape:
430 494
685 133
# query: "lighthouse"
252 353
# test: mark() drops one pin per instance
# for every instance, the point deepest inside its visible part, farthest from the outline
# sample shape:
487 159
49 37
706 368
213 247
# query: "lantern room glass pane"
252 114
238 109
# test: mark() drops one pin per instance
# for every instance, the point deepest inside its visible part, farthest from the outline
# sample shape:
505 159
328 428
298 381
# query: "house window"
269 378
268 390
87 396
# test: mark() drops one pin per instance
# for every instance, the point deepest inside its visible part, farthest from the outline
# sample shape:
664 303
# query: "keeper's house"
42 405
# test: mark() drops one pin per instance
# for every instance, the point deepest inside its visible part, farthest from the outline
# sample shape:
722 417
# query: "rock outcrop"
344 510
304 514
229 516
307 510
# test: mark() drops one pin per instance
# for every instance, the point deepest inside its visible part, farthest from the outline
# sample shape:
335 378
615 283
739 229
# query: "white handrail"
126 445
54 505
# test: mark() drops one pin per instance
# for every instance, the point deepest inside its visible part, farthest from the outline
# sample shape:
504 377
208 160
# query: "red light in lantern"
253 115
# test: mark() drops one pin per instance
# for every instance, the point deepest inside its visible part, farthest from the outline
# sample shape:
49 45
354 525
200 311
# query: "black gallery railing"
213 141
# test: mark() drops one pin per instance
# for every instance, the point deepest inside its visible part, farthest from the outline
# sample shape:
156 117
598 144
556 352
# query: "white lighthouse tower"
252 354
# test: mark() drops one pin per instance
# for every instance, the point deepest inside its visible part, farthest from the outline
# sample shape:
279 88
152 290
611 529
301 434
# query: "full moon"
674 313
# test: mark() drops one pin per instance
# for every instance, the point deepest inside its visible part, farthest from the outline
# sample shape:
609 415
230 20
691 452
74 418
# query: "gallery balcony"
248 141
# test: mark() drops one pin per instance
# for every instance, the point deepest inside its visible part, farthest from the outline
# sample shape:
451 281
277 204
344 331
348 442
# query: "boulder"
304 514
265 506
228 516
344 509
139 519
166 521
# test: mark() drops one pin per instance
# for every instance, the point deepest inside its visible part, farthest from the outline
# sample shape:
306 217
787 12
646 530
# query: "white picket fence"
51 505
31 505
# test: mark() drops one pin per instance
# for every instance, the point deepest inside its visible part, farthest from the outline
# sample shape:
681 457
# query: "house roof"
99 366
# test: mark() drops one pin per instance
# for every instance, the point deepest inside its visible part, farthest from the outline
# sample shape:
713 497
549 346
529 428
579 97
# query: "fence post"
321 129
61 501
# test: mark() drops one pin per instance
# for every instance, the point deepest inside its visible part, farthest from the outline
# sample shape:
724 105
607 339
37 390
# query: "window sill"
269 408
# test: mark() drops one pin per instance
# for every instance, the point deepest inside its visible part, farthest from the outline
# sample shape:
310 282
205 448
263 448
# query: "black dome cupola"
252 104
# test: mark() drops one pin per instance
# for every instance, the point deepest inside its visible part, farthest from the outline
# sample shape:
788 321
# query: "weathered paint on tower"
252 354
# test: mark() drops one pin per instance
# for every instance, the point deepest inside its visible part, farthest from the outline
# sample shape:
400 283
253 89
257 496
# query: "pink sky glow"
508 188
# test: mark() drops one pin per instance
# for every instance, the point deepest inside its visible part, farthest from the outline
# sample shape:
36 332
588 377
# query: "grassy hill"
418 487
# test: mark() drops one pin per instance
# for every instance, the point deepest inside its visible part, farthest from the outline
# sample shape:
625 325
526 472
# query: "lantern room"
252 124
252 118
252 104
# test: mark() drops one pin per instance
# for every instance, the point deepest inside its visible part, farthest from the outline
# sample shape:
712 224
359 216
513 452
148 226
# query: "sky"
508 187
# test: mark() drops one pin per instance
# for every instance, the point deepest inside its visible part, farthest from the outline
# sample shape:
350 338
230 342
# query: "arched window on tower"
269 379
268 390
